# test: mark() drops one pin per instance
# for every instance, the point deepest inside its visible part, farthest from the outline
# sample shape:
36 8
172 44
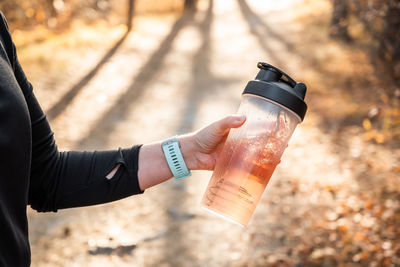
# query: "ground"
334 199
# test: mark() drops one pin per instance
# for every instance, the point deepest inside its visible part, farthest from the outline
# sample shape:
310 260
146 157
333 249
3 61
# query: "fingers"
210 136
232 121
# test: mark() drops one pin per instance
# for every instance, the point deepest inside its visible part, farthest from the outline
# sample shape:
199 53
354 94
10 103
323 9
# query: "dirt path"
173 75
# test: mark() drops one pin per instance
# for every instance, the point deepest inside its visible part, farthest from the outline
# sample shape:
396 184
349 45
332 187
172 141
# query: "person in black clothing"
33 172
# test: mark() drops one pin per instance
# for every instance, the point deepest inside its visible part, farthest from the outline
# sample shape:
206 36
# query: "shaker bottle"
273 104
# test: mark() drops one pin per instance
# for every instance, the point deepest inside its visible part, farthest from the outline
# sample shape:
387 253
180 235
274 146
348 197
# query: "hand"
201 149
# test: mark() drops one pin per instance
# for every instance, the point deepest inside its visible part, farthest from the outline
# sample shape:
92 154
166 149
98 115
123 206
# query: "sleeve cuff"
131 158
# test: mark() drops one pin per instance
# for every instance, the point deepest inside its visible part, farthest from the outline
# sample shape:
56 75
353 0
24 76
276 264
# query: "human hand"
201 149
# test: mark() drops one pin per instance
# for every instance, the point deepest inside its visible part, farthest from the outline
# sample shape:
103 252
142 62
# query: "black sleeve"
72 179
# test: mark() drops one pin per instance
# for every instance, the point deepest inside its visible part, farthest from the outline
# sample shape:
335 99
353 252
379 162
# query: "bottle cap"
272 83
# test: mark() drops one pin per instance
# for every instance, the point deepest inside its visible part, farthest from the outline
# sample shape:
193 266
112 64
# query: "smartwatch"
173 155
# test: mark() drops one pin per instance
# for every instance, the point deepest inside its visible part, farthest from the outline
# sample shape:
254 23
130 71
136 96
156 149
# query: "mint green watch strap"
173 155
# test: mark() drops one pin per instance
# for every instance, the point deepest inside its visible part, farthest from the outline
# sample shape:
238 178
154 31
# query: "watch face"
170 141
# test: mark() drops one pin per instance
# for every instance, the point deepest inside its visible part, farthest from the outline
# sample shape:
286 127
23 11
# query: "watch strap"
174 157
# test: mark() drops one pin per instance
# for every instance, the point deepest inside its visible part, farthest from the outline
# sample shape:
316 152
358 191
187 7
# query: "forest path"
173 75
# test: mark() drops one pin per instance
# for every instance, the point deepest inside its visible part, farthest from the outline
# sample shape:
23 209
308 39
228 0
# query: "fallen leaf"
343 228
379 138
369 205
367 124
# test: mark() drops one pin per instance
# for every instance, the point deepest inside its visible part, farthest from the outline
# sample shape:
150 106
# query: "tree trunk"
339 21
190 4
390 41
51 8
131 10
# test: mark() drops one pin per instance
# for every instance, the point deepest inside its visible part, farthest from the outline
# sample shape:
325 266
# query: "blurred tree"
190 4
381 30
131 9
52 9
390 44
57 14
339 21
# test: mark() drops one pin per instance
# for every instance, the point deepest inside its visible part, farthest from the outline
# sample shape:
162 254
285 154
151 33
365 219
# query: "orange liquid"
240 177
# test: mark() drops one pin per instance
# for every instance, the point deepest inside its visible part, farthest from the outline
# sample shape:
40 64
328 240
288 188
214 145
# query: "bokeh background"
114 73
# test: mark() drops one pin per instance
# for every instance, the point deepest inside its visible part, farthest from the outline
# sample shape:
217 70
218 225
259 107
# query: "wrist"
188 149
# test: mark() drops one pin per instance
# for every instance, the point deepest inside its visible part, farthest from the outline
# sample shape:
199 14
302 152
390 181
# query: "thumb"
231 121
210 136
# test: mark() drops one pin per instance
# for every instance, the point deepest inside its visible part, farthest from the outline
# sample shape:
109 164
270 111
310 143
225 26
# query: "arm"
73 179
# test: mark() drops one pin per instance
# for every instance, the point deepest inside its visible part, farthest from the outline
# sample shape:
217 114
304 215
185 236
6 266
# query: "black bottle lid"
274 84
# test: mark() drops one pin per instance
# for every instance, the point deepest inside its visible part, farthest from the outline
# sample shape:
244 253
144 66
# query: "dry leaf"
367 124
369 205
379 138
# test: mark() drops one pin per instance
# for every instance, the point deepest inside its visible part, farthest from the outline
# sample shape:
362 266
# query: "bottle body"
249 158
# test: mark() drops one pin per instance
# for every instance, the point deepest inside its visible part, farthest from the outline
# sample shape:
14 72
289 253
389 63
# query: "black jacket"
33 171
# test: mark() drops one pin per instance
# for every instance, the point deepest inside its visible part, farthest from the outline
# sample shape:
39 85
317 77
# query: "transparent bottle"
273 104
